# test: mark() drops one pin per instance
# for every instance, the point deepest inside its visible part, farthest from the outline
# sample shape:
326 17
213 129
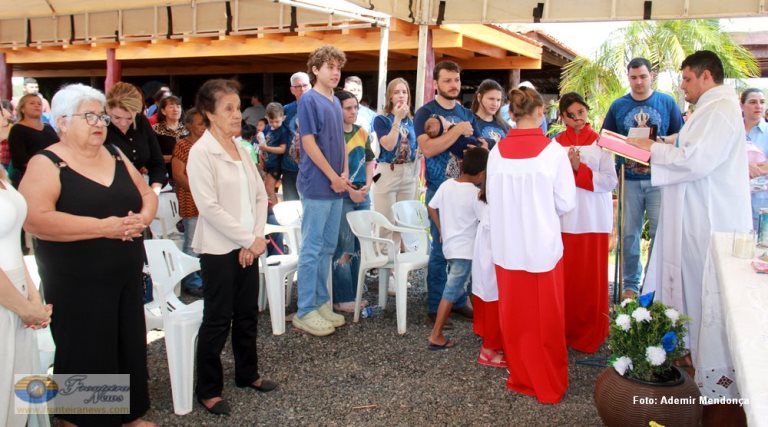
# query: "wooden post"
6 74
114 70
267 89
514 79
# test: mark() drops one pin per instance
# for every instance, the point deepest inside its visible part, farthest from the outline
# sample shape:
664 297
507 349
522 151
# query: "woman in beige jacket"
229 237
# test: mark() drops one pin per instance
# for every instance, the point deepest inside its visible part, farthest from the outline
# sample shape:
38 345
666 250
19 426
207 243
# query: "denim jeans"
193 280
436 269
459 276
345 275
639 198
320 233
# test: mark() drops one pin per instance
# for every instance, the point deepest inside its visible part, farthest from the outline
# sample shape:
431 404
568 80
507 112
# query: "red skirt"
533 332
585 260
486 322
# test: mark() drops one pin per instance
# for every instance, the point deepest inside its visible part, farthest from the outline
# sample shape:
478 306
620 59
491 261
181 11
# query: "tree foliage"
665 44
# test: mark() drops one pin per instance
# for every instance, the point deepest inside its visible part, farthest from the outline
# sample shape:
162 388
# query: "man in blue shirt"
641 107
323 173
299 86
447 80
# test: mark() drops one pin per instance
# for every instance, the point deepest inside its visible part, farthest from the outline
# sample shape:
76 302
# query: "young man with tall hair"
323 173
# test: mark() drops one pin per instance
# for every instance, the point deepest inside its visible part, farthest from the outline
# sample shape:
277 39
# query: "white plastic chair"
289 214
164 224
180 322
366 226
45 345
277 272
411 214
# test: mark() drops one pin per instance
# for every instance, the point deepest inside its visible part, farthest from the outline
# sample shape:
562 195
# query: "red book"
617 144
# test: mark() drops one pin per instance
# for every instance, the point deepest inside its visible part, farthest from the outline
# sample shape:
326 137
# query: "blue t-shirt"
436 164
321 117
275 138
382 125
491 131
661 110
291 150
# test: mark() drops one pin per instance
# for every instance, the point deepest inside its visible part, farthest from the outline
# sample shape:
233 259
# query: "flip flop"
449 343
486 359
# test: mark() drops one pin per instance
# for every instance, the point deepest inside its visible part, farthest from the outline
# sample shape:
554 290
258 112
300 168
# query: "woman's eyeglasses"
93 118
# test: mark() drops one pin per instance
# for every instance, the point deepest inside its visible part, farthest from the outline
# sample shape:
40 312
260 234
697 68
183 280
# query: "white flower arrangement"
672 315
645 338
655 355
624 322
641 314
622 364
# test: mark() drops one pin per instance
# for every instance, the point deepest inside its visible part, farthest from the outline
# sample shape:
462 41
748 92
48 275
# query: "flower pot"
625 402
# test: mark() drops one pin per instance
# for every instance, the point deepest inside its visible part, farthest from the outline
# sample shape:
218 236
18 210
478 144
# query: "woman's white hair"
68 99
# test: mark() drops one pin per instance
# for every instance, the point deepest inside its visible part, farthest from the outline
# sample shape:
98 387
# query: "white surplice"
705 188
526 199
594 209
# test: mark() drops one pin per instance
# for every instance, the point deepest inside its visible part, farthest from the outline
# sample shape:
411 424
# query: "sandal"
492 358
449 343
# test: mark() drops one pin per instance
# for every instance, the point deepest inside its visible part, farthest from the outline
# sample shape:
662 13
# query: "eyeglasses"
93 119
301 86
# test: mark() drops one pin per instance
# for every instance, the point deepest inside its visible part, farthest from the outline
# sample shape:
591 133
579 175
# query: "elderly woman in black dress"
88 206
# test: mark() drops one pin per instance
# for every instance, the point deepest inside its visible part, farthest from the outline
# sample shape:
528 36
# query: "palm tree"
665 44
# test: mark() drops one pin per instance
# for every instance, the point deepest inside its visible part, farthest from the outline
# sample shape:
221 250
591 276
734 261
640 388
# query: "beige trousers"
394 186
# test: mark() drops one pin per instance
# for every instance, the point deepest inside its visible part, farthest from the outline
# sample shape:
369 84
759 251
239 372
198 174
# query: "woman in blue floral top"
397 169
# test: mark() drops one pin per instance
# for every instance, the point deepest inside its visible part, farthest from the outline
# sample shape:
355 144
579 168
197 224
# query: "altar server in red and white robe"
530 185
586 229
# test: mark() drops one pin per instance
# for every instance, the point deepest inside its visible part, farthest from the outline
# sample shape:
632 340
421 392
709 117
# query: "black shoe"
432 317
265 387
194 292
220 408
465 312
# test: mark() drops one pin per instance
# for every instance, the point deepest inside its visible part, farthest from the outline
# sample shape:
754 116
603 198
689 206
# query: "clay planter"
628 402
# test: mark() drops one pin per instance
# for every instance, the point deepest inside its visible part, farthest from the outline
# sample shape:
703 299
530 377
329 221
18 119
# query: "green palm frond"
665 44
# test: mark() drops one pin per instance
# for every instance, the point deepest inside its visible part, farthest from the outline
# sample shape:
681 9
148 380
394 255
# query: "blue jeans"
459 276
290 192
345 275
193 280
436 269
639 198
320 233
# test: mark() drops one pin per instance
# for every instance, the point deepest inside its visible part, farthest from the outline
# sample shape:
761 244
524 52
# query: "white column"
383 55
421 64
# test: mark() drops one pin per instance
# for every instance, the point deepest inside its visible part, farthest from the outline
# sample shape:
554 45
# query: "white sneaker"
327 313
313 323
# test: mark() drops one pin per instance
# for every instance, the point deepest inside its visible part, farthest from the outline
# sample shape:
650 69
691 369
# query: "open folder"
617 144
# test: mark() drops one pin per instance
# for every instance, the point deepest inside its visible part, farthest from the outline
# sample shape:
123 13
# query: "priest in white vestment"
705 188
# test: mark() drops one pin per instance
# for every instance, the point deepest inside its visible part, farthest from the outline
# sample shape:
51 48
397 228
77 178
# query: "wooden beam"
507 63
400 26
484 48
55 54
496 38
456 53
446 39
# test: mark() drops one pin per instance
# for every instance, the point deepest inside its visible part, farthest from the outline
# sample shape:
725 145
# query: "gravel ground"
366 373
